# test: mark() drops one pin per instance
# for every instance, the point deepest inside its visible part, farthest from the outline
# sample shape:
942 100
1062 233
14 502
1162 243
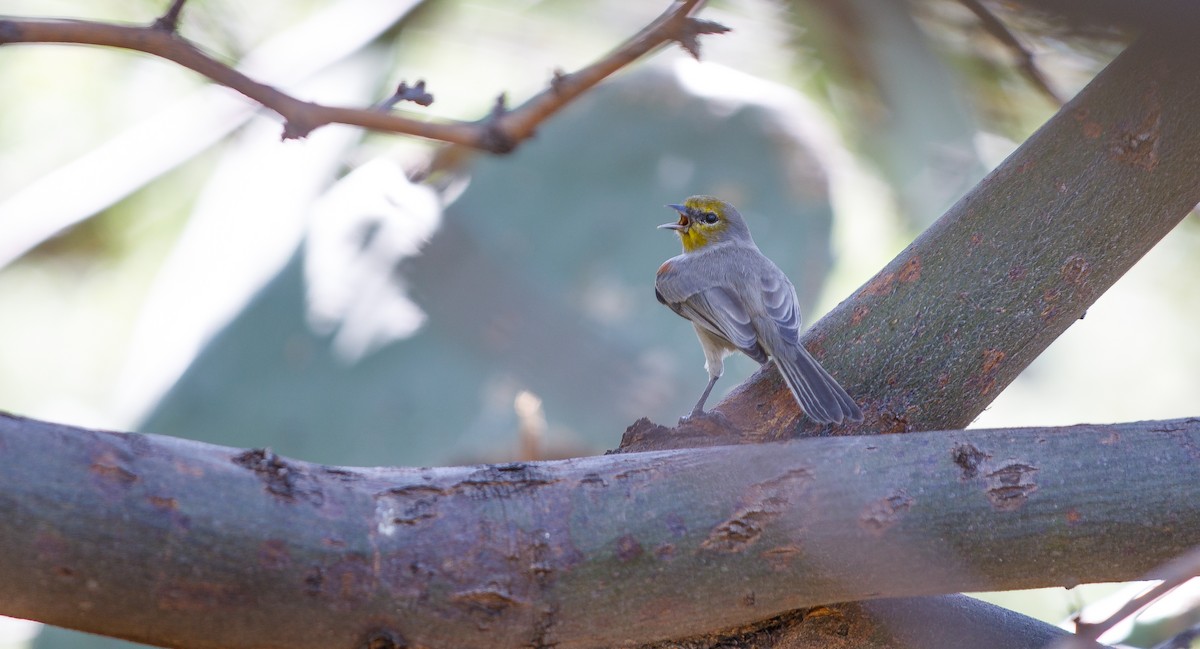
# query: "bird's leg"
699 409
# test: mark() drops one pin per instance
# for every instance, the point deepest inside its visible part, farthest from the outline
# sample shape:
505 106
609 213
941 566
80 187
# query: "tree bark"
138 536
135 536
932 339
937 334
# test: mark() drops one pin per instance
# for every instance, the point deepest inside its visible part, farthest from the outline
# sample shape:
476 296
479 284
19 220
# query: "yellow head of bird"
705 220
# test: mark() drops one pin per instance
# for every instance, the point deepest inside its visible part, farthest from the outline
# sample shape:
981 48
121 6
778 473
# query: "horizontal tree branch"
499 132
577 553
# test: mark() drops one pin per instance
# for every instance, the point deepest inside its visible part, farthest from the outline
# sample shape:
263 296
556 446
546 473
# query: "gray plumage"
737 299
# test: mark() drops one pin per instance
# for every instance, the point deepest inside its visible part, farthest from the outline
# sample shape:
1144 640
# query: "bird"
739 300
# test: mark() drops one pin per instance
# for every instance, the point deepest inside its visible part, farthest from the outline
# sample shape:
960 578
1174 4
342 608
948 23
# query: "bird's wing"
721 313
779 302
716 309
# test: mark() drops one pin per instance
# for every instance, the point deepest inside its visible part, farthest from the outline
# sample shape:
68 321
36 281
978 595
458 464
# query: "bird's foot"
714 417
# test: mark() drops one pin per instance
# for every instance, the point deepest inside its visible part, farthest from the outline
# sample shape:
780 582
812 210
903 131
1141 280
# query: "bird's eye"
709 217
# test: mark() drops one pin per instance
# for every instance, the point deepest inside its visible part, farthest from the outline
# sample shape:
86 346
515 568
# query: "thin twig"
497 133
998 30
673 25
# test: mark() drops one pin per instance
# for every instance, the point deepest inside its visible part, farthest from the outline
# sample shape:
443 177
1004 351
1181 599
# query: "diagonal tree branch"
933 338
134 536
1015 263
501 132
1038 240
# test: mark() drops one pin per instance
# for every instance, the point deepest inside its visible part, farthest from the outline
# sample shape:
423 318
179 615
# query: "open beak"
682 224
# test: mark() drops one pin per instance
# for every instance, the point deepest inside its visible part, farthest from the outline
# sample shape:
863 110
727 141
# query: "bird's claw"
709 416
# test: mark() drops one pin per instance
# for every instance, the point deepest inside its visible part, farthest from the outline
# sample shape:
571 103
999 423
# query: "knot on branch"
384 639
169 21
689 31
298 125
404 92
279 478
558 81
494 138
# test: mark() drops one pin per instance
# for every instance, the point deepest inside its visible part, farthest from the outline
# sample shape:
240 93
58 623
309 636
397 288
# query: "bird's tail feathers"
819 394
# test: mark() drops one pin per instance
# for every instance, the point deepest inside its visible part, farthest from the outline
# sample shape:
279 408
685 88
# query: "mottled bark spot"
911 270
761 504
199 596
1009 487
991 360
273 554
968 458
1075 270
163 502
405 506
344 584
279 478
879 285
383 639
1138 146
884 513
489 601
110 468
628 548
780 557
861 311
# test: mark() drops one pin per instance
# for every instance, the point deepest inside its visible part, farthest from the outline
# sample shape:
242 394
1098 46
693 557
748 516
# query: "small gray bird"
737 299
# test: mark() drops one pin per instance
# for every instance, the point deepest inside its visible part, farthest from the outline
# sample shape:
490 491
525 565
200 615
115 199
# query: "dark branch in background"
498 133
169 22
1182 640
1173 575
994 26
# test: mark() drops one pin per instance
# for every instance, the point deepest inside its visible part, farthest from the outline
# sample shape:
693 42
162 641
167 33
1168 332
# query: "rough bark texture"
184 544
1021 258
932 339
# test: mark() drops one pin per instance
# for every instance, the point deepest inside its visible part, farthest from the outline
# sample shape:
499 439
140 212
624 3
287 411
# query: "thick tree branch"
936 335
1021 258
932 339
577 553
498 133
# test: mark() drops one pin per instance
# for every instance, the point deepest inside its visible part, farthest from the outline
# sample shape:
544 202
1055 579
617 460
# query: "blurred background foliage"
169 266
